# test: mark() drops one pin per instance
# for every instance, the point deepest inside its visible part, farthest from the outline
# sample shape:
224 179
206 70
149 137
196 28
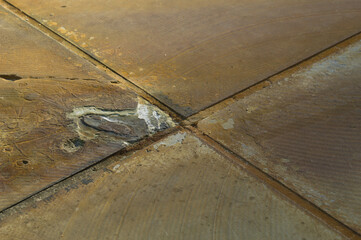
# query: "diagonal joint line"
88 57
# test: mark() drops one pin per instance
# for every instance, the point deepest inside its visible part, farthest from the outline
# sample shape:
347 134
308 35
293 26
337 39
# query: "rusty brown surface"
191 54
304 130
58 114
177 188
27 53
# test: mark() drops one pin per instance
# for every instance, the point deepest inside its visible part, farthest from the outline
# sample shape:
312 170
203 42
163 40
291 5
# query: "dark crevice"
14 77
77 142
60 78
10 77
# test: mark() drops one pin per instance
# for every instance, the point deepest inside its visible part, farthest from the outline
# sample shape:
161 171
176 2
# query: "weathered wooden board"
58 113
193 53
305 130
177 188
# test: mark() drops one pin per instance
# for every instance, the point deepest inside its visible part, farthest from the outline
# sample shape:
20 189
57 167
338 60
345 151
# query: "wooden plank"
177 188
192 54
58 113
304 130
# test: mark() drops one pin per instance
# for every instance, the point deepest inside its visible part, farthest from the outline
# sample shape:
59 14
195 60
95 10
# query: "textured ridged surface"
177 188
53 122
304 130
191 54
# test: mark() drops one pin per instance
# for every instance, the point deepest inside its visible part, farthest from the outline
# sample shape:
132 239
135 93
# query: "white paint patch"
229 124
115 168
172 140
143 113
152 116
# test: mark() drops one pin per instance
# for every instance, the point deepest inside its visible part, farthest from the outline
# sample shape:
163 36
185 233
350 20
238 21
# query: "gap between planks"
277 186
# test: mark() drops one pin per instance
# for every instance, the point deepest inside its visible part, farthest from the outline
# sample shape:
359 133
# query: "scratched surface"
191 54
177 188
305 130
58 114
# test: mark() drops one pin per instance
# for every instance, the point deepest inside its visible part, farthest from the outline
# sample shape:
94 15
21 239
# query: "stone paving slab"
192 54
304 130
58 113
177 188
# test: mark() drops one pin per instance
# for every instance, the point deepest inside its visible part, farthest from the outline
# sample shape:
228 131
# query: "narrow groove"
276 185
259 83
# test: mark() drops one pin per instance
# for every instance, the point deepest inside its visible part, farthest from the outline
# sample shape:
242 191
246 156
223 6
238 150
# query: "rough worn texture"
45 134
191 54
305 131
52 121
177 188
27 53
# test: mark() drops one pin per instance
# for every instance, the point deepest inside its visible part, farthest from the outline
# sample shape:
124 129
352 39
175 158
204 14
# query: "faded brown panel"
191 54
53 122
177 188
305 130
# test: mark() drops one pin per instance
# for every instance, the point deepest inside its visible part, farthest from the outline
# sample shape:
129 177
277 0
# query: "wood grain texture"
304 130
177 188
191 54
58 114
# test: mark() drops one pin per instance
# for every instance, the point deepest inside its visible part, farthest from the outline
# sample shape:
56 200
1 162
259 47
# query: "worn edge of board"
53 187
332 50
274 185
277 186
